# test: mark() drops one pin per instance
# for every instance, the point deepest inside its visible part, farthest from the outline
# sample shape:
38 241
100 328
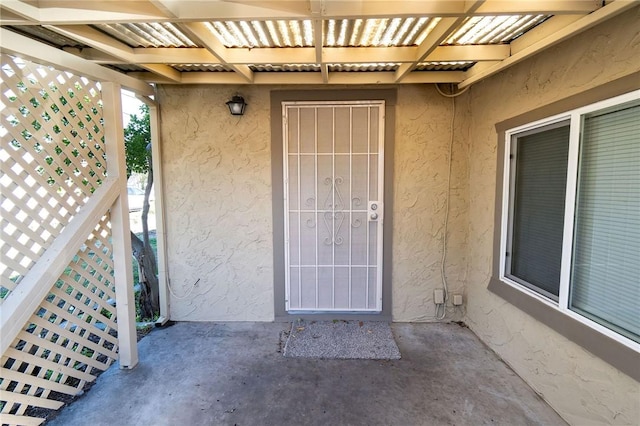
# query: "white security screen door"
333 174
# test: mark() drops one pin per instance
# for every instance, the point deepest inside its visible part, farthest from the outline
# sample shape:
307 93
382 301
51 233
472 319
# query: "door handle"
375 210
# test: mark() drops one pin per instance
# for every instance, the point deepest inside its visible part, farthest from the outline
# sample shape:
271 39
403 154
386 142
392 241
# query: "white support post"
116 168
156 151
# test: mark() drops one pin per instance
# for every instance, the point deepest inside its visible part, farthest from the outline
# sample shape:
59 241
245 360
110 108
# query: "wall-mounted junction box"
457 299
438 296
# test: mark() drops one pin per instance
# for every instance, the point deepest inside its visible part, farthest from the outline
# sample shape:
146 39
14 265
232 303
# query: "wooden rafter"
318 36
298 78
440 32
112 47
54 12
555 31
297 55
317 10
199 31
11 42
74 18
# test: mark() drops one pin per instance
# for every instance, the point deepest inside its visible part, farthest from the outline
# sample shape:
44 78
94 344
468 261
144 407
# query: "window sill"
609 350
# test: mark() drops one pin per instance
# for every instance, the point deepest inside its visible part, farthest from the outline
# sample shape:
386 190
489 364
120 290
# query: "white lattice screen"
52 159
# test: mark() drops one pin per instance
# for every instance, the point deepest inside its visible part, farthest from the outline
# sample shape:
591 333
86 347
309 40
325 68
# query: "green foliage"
137 136
87 352
106 313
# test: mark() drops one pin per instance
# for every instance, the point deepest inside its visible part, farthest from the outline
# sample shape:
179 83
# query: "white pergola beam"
299 78
279 55
433 77
158 186
86 35
168 55
318 37
200 32
110 46
186 12
29 13
495 52
163 70
444 27
389 77
24 47
538 7
354 55
120 233
453 8
542 31
539 43
103 12
159 4
298 55
10 18
94 55
84 12
317 7
149 55
210 10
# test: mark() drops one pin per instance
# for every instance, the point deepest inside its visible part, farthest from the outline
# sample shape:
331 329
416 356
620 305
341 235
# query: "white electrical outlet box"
438 296
457 299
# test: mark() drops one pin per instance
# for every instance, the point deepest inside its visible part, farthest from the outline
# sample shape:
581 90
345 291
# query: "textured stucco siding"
421 167
581 387
218 203
217 176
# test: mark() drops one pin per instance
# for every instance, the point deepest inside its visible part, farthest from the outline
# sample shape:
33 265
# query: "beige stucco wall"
217 190
217 172
421 164
581 387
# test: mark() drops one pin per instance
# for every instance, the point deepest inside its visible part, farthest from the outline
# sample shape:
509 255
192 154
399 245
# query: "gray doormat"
341 340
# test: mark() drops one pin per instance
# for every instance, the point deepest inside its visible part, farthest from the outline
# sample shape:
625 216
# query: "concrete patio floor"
234 374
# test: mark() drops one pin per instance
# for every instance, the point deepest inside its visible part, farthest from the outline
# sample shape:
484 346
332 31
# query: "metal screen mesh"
332 176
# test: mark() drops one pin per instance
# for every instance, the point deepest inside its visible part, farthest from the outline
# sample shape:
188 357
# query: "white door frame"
373 207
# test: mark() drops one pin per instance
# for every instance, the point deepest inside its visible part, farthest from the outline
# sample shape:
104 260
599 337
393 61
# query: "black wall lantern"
237 105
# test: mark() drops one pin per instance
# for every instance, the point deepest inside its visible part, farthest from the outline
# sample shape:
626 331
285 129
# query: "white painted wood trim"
298 55
158 186
285 200
123 274
199 31
12 419
382 112
582 24
273 78
209 10
24 47
102 42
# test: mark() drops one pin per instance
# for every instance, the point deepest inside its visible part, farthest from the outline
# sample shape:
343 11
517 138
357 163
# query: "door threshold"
334 315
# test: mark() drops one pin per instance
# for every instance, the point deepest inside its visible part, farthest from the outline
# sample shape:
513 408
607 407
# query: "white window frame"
574 117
